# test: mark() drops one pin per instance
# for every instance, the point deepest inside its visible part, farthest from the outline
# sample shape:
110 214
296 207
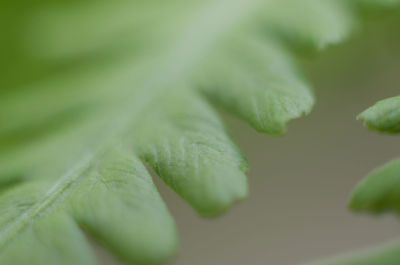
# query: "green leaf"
90 91
114 199
380 3
257 80
388 254
192 153
379 191
311 22
384 116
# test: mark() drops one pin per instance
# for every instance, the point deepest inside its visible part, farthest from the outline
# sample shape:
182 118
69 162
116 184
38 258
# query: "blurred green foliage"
89 91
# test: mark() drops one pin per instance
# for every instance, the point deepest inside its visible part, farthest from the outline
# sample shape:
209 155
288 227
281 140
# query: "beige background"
300 183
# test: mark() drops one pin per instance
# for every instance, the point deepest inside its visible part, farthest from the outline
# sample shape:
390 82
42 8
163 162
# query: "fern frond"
114 199
92 90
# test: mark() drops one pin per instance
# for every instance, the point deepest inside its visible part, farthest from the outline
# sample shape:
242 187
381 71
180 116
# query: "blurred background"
299 183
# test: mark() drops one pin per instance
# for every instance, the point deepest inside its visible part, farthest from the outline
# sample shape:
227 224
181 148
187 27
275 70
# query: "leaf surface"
379 191
384 116
90 91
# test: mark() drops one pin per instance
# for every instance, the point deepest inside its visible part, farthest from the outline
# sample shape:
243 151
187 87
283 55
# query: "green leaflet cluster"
89 91
379 192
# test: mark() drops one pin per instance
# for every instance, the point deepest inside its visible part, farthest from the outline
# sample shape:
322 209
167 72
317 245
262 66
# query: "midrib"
208 25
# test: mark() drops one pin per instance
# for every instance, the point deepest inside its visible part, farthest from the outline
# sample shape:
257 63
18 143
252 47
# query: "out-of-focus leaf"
379 191
384 116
